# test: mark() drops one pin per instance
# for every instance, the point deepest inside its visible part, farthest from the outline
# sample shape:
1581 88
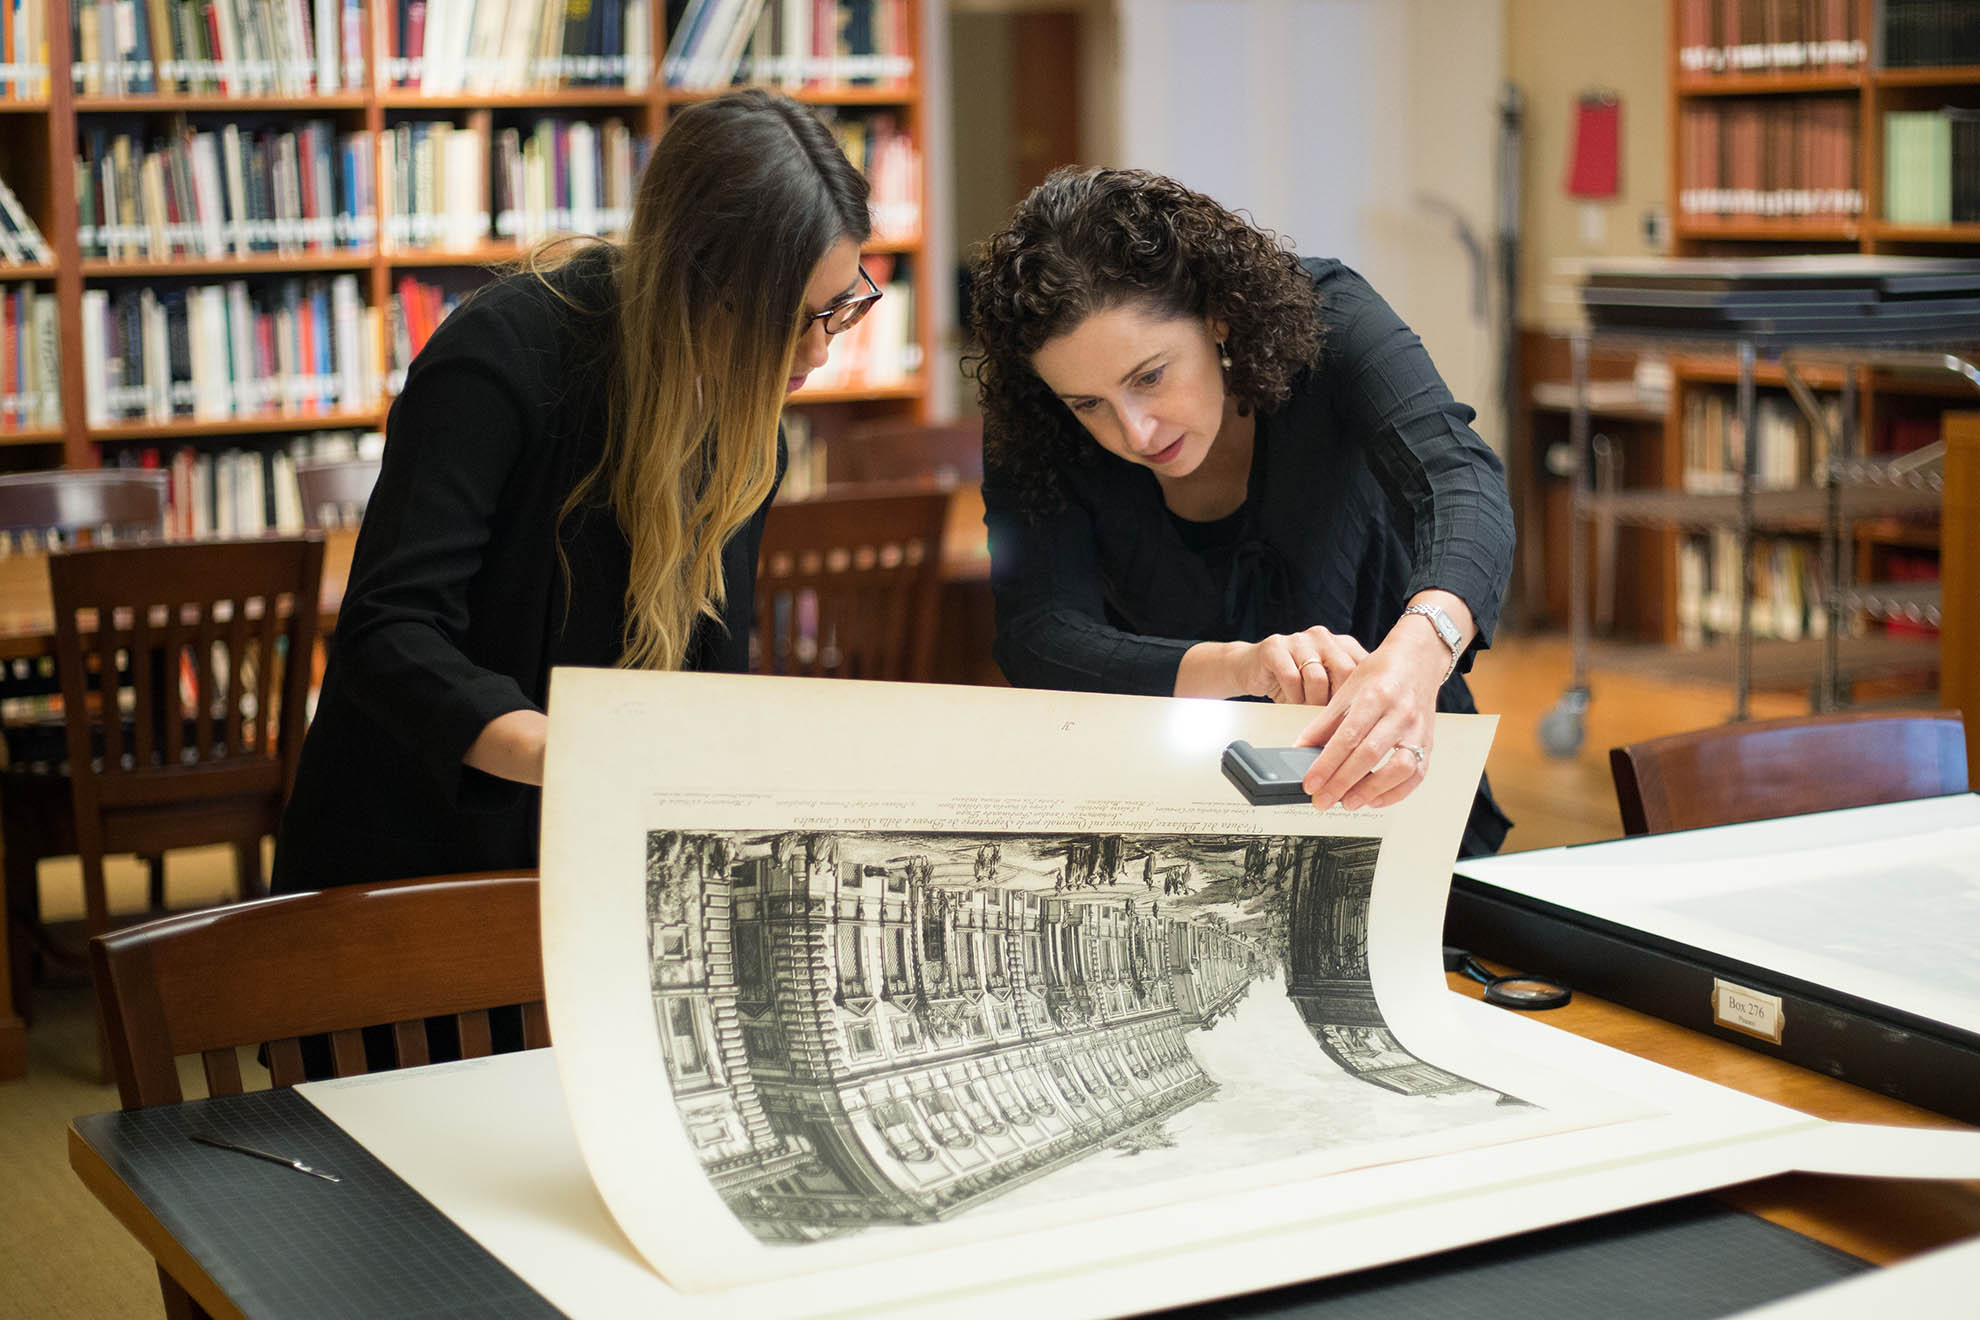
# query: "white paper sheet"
922 992
1882 903
490 1144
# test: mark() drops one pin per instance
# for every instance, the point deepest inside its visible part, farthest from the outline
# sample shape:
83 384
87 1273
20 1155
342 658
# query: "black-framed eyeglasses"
844 314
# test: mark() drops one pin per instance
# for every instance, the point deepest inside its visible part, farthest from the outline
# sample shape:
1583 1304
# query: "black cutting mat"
281 1243
1690 1259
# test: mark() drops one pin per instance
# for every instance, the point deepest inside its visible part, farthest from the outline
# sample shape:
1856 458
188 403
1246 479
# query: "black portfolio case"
1875 1046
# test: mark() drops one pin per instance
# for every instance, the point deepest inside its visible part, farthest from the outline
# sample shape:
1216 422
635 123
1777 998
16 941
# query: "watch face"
1441 622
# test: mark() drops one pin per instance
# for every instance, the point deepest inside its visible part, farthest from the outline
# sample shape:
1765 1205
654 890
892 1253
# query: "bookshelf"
1783 115
251 229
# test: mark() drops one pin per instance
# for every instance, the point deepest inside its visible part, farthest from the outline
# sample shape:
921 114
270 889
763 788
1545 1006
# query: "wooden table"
1883 1221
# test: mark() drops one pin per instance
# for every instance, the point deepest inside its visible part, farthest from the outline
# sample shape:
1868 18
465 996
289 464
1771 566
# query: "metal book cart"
1852 486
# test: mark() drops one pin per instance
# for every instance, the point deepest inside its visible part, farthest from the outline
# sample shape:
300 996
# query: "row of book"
435 186
243 490
566 176
224 193
882 350
1932 166
1788 454
559 176
231 47
1787 588
1756 36
413 312
229 193
1771 158
1931 33
481 47
30 359
291 348
791 44
458 47
21 243
881 150
24 50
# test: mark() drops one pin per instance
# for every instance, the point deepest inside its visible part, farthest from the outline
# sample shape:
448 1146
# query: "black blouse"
1367 486
457 606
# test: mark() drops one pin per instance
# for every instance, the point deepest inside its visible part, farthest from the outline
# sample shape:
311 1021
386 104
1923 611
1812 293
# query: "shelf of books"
243 218
1810 127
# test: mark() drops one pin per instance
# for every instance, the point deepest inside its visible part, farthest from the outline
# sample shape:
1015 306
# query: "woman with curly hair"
1214 470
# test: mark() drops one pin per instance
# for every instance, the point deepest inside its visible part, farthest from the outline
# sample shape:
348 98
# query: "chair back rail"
276 970
849 587
938 455
1770 768
334 491
129 501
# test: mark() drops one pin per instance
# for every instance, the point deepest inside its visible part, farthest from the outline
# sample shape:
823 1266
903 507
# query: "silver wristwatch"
1446 630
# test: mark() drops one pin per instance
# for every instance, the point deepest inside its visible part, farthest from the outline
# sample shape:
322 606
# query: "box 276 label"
1749 1011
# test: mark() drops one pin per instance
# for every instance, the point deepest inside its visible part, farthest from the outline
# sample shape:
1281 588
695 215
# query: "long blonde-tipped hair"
743 197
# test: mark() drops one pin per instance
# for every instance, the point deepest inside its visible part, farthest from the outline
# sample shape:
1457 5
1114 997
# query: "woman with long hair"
576 473
1213 469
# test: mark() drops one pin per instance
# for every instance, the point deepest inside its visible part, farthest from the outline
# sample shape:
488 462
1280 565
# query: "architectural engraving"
869 1028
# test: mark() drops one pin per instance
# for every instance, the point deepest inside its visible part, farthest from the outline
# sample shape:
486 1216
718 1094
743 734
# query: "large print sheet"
842 971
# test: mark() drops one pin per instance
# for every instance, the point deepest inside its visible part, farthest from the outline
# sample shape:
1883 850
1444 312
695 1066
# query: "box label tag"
1745 1010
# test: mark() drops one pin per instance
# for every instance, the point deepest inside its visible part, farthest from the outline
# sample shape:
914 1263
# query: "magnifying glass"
1527 993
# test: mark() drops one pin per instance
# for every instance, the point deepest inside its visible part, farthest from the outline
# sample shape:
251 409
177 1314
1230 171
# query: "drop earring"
1223 357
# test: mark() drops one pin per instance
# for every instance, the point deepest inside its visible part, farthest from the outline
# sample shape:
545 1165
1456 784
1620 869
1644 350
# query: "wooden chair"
940 456
1769 768
202 633
849 587
42 510
271 972
37 510
188 644
335 491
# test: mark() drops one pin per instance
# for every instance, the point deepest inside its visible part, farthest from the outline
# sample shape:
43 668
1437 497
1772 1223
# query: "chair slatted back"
200 635
277 970
1788 767
849 587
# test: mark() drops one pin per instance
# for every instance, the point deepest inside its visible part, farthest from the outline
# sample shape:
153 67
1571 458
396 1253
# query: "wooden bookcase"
39 144
1855 90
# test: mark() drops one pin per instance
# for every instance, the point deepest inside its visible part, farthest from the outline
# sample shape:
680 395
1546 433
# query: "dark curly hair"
1088 240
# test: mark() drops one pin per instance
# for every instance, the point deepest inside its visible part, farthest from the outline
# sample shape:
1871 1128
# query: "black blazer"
457 607
1367 486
